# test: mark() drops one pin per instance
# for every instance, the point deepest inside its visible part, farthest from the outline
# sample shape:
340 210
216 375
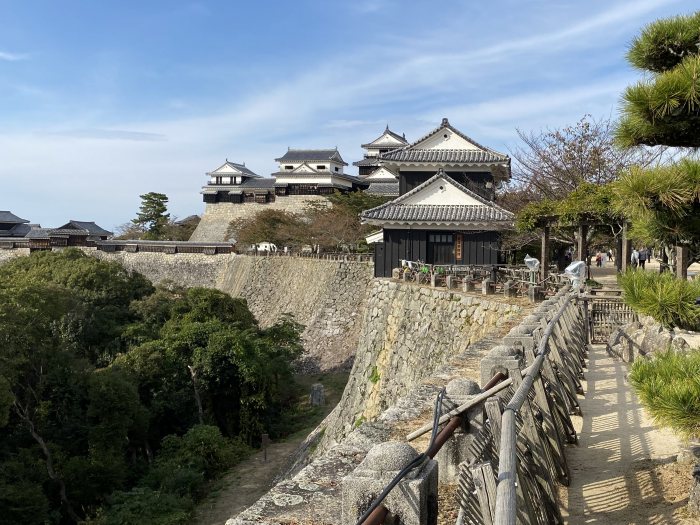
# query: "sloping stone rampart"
218 216
407 332
327 297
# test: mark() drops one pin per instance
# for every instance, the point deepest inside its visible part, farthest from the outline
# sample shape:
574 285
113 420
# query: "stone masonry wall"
8 255
218 216
185 269
646 336
328 297
407 332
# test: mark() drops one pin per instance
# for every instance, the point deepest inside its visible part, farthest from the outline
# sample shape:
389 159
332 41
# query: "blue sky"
102 101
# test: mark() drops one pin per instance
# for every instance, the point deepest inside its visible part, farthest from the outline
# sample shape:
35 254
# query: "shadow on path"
617 468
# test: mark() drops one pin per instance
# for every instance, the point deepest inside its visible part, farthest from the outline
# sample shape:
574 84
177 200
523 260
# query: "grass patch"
669 387
374 376
304 417
669 300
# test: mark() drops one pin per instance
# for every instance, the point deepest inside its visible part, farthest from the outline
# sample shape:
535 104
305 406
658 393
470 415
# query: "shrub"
143 505
669 387
185 463
669 300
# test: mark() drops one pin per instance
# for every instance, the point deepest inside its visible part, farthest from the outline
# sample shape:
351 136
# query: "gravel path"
624 470
246 482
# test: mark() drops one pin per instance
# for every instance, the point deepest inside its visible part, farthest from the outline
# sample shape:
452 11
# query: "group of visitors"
601 257
638 258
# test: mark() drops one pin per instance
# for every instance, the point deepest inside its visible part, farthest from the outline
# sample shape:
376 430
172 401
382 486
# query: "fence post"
456 450
412 502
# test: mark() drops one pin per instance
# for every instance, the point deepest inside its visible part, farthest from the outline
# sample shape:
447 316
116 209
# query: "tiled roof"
18 230
398 137
396 210
45 233
389 189
261 183
367 161
411 153
312 155
240 167
460 156
91 227
8 217
438 213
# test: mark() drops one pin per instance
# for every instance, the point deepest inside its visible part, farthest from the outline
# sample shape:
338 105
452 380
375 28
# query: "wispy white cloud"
12 57
110 134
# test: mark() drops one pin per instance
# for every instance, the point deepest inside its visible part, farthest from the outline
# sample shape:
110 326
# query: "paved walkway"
624 470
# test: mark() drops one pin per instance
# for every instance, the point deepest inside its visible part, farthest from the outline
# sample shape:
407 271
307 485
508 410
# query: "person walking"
642 257
634 258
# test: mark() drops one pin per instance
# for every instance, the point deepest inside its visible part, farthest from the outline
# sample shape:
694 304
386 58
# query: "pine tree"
664 110
152 216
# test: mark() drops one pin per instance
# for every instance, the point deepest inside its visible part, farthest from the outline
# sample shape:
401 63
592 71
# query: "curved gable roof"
401 139
235 167
414 153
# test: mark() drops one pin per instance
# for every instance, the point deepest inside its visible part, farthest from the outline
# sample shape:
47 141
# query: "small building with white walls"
445 212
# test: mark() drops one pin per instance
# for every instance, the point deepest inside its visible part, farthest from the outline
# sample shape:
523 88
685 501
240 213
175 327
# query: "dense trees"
118 401
664 108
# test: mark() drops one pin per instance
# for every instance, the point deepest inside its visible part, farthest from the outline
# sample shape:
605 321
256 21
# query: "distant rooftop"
312 155
10 218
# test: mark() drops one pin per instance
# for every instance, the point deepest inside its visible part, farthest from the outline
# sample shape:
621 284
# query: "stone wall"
185 269
407 332
646 336
328 297
8 255
397 315
218 216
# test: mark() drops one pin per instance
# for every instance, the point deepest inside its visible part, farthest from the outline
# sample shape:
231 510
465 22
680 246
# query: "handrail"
507 462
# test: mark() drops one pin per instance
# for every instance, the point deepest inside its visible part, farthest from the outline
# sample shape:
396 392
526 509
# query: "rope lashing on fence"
374 510
476 400
507 461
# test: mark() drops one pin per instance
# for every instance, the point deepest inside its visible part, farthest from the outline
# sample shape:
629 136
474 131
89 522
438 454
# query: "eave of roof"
395 211
8 217
367 161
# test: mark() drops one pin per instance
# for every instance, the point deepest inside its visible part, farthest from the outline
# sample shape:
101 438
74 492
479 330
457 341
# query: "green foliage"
665 108
276 226
669 300
144 505
335 227
101 368
152 217
662 203
587 203
664 44
374 375
94 297
668 385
